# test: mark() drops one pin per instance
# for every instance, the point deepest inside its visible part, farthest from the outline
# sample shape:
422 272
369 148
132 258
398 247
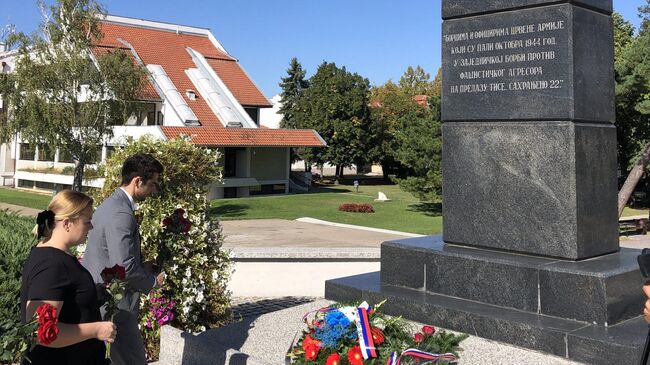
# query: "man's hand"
160 280
646 310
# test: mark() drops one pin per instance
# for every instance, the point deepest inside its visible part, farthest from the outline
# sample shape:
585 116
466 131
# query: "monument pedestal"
585 310
530 253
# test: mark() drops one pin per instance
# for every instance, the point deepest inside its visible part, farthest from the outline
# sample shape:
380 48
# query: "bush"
197 268
16 241
356 208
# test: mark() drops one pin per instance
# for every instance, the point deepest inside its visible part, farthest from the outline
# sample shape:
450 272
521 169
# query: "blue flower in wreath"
335 329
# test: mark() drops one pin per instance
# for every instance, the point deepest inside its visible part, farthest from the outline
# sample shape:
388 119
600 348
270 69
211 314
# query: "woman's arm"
69 334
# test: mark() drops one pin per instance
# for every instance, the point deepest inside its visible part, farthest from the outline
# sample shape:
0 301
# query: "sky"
377 39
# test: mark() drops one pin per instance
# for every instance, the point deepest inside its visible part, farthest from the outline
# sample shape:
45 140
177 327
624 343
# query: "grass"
24 198
403 213
632 211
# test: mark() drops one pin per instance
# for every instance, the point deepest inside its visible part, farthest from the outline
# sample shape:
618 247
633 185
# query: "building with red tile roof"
195 89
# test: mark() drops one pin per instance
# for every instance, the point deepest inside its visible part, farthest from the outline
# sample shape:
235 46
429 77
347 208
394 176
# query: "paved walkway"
19 210
278 233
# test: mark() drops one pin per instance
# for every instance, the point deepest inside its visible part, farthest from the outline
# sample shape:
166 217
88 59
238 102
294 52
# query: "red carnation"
47 332
418 338
311 352
46 313
429 330
354 356
334 359
377 335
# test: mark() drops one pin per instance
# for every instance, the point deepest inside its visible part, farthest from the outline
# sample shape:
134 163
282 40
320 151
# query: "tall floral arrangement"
197 267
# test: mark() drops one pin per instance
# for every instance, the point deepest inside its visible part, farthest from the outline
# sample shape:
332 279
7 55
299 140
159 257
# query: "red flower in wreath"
311 352
309 341
418 338
354 356
334 359
377 335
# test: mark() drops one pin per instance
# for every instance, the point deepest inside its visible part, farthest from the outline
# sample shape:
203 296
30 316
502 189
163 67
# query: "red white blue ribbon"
395 360
368 349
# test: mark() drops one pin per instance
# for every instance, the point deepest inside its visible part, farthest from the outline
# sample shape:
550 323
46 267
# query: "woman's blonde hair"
65 204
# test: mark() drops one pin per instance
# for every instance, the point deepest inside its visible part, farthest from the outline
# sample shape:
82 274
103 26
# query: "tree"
62 94
419 148
416 82
293 86
336 106
633 108
623 35
389 104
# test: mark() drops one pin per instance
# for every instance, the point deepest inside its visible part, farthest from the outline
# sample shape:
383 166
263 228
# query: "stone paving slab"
287 233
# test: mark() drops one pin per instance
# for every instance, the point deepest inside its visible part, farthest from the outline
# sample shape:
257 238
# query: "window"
230 192
44 185
147 115
27 152
161 118
254 113
45 153
230 165
267 189
65 156
25 183
109 151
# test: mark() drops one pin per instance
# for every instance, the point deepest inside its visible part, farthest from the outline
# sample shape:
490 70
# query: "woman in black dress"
53 275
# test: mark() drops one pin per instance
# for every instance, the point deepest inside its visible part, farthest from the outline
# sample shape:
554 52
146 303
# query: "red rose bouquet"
19 340
115 288
361 335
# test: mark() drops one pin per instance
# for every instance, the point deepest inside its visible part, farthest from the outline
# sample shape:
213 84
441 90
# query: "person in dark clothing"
53 275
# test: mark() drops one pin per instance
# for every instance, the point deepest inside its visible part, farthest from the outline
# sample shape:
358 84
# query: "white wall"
269 117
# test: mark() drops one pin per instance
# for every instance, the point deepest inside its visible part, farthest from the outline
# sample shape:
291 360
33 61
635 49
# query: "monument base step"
576 340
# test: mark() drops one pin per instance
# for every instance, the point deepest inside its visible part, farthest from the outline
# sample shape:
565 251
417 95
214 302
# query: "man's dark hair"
143 165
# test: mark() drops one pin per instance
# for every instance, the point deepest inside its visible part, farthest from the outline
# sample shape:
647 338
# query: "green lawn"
24 198
403 213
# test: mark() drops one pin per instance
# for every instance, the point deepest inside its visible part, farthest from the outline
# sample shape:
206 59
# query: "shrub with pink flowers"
161 313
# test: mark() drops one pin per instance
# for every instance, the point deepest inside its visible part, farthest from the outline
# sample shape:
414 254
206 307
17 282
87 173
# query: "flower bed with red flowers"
361 335
356 208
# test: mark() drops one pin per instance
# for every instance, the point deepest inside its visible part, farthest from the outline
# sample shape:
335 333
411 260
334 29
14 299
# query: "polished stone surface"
559 67
576 340
603 290
456 8
546 188
619 344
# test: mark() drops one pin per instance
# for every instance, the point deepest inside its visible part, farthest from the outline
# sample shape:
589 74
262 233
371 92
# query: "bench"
639 225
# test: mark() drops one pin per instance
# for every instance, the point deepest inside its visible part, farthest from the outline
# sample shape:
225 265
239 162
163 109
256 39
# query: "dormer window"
191 94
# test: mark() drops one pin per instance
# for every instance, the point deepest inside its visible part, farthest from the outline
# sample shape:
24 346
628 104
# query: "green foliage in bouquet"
15 242
332 339
197 267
